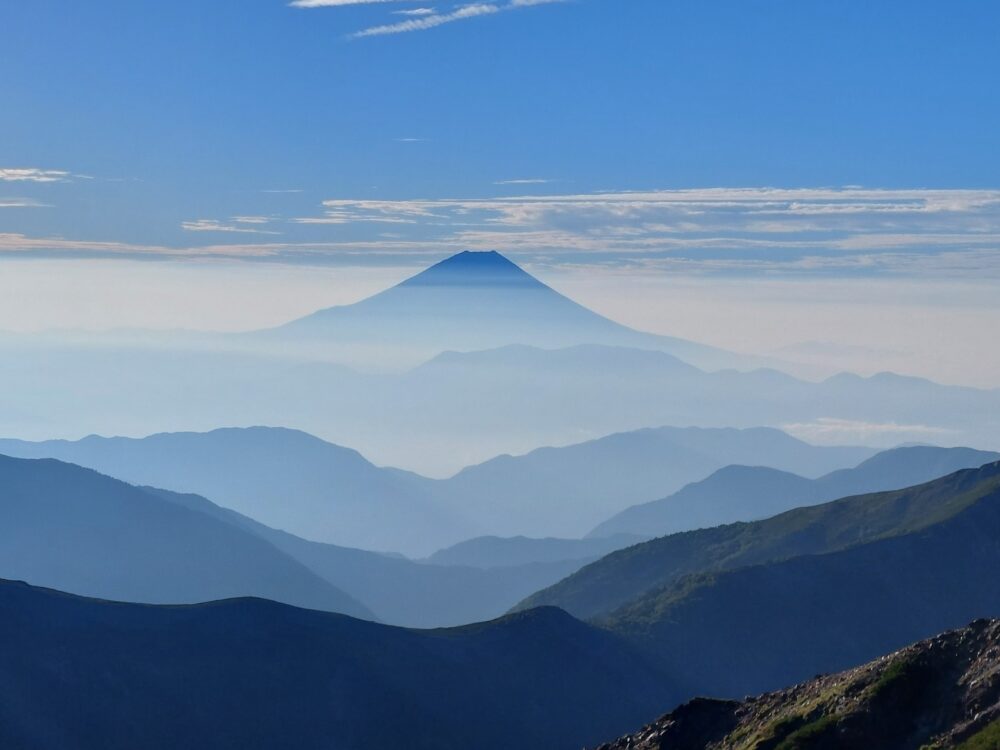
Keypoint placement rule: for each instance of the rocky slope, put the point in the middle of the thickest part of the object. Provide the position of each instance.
(937, 694)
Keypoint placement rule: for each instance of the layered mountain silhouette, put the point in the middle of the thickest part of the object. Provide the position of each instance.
(938, 694)
(479, 300)
(250, 673)
(293, 481)
(69, 527)
(623, 578)
(399, 591)
(74, 529)
(751, 607)
(283, 478)
(747, 493)
(565, 491)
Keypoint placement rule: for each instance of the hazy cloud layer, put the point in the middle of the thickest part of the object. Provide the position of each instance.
(834, 431)
(817, 231)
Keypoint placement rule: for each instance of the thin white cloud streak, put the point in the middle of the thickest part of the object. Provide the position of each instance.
(524, 181)
(422, 19)
(251, 219)
(211, 225)
(22, 203)
(33, 174)
(423, 23)
(415, 12)
(13, 243)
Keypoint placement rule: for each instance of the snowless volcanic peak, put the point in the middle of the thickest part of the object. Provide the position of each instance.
(470, 268)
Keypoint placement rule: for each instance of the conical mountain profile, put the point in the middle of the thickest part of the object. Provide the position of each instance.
(474, 301)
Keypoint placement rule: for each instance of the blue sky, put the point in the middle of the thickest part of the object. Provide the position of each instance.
(180, 114)
(588, 138)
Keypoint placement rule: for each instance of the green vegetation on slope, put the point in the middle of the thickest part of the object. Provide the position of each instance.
(619, 578)
(939, 694)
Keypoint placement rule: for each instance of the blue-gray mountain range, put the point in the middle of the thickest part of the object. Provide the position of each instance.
(295, 482)
(746, 493)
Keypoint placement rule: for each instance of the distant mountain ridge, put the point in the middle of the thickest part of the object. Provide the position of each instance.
(748, 493)
(286, 479)
(565, 491)
(316, 490)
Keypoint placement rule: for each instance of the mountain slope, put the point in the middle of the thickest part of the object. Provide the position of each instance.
(625, 575)
(284, 478)
(742, 493)
(565, 491)
(400, 591)
(734, 632)
(939, 694)
(254, 674)
(62, 525)
(505, 552)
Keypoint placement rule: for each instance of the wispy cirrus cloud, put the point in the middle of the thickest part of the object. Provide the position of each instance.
(737, 231)
(236, 224)
(425, 22)
(422, 18)
(807, 230)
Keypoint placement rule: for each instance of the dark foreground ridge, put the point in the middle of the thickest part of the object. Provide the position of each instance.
(250, 673)
(938, 694)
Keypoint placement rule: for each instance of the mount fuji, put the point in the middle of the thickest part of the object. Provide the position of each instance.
(474, 301)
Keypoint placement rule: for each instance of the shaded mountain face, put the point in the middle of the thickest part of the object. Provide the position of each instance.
(68, 527)
(471, 301)
(747, 493)
(645, 570)
(283, 478)
(939, 694)
(402, 592)
(254, 674)
(735, 632)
